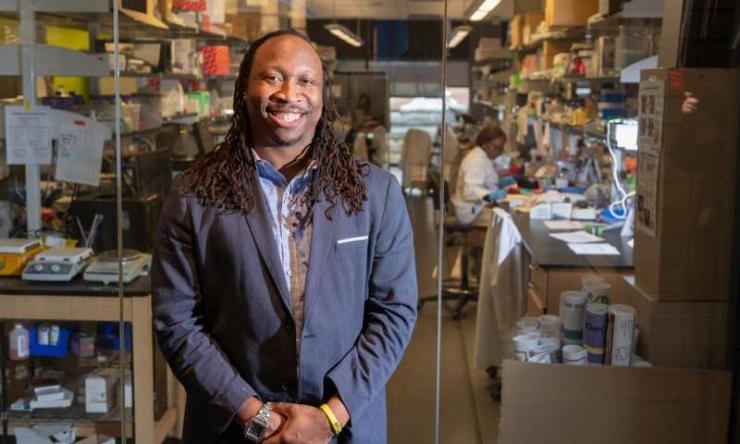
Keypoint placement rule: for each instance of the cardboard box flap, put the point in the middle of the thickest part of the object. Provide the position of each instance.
(556, 404)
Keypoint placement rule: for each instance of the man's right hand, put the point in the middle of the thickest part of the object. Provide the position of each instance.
(304, 424)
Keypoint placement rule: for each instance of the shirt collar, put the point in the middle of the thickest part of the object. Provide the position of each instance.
(265, 170)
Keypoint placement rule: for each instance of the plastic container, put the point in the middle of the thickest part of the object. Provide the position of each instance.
(632, 45)
(572, 310)
(43, 335)
(574, 355)
(18, 349)
(57, 346)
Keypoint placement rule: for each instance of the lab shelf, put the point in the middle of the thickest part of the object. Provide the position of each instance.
(612, 22)
(100, 6)
(182, 119)
(81, 13)
(158, 75)
(52, 60)
(579, 130)
(597, 79)
(230, 77)
(81, 301)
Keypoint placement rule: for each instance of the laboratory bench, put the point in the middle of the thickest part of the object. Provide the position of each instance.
(156, 394)
(552, 267)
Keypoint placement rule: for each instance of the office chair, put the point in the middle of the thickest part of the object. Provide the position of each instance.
(417, 149)
(461, 290)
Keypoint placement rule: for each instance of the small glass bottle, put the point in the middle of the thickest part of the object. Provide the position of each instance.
(18, 343)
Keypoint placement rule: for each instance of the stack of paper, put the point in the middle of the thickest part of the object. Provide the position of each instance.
(563, 225)
(58, 398)
(48, 393)
(594, 249)
(577, 237)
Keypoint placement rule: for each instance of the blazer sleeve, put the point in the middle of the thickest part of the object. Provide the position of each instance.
(390, 312)
(195, 358)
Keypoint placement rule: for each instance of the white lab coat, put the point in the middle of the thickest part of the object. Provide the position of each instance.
(476, 179)
(502, 295)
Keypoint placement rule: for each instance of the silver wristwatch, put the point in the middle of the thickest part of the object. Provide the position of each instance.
(255, 428)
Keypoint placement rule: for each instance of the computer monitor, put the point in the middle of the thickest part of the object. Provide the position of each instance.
(624, 134)
(203, 136)
(152, 172)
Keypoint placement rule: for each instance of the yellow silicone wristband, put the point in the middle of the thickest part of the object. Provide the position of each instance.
(335, 426)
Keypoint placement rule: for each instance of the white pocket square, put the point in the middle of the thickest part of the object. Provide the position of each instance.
(351, 239)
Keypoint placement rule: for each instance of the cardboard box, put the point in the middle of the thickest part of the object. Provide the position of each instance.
(530, 29)
(535, 305)
(569, 13)
(563, 404)
(144, 11)
(549, 283)
(607, 7)
(518, 24)
(679, 334)
(100, 390)
(550, 48)
(106, 86)
(245, 26)
(516, 28)
(685, 183)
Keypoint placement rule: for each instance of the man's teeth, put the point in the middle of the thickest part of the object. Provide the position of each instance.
(287, 117)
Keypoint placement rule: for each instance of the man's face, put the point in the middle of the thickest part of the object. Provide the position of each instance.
(284, 97)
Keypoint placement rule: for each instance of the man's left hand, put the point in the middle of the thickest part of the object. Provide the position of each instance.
(303, 424)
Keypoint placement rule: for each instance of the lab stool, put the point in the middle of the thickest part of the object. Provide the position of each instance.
(459, 290)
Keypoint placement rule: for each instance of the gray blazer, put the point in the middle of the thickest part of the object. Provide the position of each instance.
(223, 318)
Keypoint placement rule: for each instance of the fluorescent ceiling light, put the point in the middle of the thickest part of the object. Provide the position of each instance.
(341, 32)
(458, 35)
(479, 9)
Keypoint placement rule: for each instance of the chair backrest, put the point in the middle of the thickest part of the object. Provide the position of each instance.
(452, 151)
(380, 140)
(417, 147)
(359, 148)
(433, 186)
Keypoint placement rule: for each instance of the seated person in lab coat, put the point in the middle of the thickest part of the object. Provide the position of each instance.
(477, 180)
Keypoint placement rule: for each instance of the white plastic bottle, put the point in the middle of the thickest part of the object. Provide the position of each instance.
(18, 343)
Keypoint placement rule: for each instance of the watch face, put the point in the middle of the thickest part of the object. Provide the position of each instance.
(255, 430)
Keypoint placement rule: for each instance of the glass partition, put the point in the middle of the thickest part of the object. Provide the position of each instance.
(65, 372)
(217, 105)
(389, 98)
(213, 204)
(579, 213)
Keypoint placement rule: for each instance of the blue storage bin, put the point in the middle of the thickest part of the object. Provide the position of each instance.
(612, 97)
(614, 113)
(57, 351)
(108, 337)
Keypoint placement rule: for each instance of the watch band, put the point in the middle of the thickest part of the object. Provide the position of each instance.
(255, 428)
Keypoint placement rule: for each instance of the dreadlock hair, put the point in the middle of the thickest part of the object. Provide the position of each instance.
(225, 178)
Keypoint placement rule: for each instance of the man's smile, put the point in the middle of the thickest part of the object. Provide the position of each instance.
(285, 118)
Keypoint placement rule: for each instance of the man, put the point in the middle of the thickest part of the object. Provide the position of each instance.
(477, 180)
(283, 275)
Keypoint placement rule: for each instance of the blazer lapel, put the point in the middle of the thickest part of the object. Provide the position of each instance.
(260, 224)
(322, 242)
